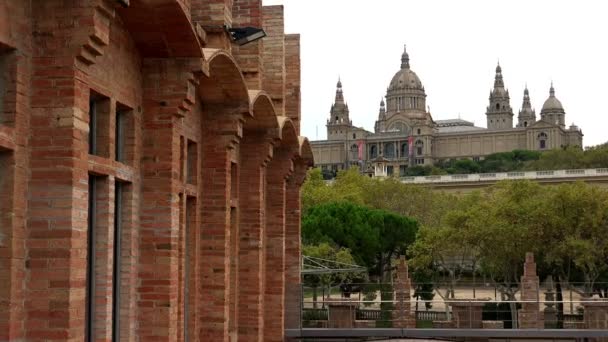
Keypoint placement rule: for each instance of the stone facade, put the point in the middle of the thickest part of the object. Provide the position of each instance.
(149, 186)
(406, 134)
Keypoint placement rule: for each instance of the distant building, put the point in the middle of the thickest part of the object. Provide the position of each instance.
(405, 133)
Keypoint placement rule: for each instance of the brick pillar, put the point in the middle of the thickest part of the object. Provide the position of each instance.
(292, 79)
(255, 153)
(249, 56)
(219, 215)
(56, 257)
(15, 70)
(278, 170)
(273, 80)
(402, 315)
(529, 316)
(596, 316)
(165, 88)
(293, 248)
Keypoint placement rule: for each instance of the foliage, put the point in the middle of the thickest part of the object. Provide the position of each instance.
(373, 236)
(328, 252)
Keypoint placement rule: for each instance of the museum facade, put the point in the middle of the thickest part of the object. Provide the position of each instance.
(405, 133)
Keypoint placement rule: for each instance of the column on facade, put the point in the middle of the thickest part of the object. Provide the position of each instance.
(255, 153)
(219, 222)
(293, 247)
(279, 170)
(225, 104)
(15, 72)
(159, 260)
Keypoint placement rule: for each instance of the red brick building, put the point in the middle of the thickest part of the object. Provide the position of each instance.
(149, 171)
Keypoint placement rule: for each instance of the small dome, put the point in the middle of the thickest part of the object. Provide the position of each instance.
(405, 78)
(552, 103)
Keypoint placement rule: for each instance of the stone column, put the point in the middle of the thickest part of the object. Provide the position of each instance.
(403, 317)
(529, 316)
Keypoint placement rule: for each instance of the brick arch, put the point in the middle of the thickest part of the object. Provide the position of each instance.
(161, 28)
(264, 114)
(288, 134)
(306, 151)
(225, 82)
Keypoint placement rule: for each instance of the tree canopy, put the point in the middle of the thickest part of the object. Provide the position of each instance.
(373, 236)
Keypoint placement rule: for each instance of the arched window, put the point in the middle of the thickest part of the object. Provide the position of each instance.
(525, 123)
(542, 140)
(354, 135)
(389, 150)
(354, 152)
(419, 147)
(373, 151)
(337, 119)
(404, 150)
(498, 106)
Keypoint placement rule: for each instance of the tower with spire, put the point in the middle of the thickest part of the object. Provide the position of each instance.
(339, 122)
(499, 113)
(527, 115)
(379, 126)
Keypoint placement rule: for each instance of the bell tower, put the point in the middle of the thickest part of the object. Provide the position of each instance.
(339, 123)
(499, 113)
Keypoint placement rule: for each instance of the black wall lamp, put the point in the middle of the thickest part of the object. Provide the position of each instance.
(246, 35)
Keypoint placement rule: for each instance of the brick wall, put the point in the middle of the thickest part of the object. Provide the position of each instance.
(151, 234)
(292, 79)
(273, 80)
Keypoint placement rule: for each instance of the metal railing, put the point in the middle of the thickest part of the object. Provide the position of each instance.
(454, 307)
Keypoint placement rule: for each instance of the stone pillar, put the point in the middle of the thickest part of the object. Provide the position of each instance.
(596, 316)
(550, 313)
(529, 316)
(402, 316)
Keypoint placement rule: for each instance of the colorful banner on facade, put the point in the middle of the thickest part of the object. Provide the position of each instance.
(410, 146)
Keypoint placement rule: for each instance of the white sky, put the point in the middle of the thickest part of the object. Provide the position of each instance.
(454, 47)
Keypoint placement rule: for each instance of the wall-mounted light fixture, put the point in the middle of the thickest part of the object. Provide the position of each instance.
(246, 35)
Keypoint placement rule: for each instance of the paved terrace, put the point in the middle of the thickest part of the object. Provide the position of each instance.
(468, 182)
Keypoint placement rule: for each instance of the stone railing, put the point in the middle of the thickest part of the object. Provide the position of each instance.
(490, 177)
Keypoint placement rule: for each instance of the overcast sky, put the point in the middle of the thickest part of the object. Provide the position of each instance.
(454, 47)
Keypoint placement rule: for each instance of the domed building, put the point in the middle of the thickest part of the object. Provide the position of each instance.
(405, 133)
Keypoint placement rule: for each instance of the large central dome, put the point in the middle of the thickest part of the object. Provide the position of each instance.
(405, 96)
(405, 78)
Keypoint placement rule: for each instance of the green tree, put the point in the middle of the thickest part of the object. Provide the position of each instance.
(373, 236)
(325, 251)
